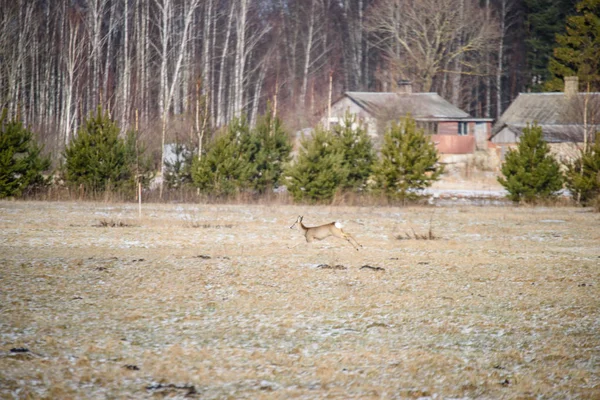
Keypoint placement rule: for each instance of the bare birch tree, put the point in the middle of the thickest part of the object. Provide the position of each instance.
(169, 81)
(72, 64)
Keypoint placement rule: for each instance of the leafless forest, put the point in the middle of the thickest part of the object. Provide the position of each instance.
(181, 68)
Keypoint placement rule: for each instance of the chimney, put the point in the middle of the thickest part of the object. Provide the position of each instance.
(571, 86)
(403, 86)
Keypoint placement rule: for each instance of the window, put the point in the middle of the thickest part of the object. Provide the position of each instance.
(429, 127)
(463, 128)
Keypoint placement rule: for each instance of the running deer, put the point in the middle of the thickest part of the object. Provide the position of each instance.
(323, 231)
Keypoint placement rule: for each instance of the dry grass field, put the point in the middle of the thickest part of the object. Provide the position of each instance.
(211, 302)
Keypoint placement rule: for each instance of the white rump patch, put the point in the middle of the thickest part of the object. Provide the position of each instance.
(338, 225)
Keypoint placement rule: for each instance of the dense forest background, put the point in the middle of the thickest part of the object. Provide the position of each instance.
(180, 69)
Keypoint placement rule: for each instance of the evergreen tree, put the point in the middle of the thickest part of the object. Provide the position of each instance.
(178, 172)
(21, 164)
(357, 152)
(319, 171)
(99, 159)
(267, 148)
(578, 50)
(408, 161)
(544, 19)
(224, 170)
(530, 172)
(583, 175)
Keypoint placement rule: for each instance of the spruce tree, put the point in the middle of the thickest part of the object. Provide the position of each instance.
(531, 172)
(583, 175)
(319, 171)
(21, 163)
(357, 152)
(224, 169)
(408, 162)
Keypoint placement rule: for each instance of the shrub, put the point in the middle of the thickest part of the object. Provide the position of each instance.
(21, 164)
(530, 172)
(408, 163)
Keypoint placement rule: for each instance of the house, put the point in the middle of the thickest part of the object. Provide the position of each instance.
(453, 130)
(559, 114)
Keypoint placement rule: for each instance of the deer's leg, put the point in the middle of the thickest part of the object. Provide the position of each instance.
(348, 238)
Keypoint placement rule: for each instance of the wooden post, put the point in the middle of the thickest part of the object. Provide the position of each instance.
(329, 102)
(140, 200)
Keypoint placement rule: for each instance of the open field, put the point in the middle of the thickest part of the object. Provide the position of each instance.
(210, 302)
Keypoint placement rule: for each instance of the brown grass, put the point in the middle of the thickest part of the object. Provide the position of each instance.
(209, 301)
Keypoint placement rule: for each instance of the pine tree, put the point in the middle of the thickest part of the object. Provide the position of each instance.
(267, 149)
(530, 172)
(21, 163)
(357, 152)
(224, 170)
(408, 162)
(583, 175)
(319, 171)
(578, 50)
(99, 159)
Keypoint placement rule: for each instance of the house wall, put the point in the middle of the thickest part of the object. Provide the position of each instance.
(454, 144)
(505, 136)
(447, 128)
(482, 132)
(339, 109)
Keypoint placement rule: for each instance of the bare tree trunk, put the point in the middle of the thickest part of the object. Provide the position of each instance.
(505, 23)
(106, 89)
(456, 77)
(240, 58)
(142, 58)
(257, 90)
(95, 15)
(212, 56)
(307, 54)
(71, 61)
(168, 88)
(126, 76)
(222, 108)
(488, 74)
(500, 67)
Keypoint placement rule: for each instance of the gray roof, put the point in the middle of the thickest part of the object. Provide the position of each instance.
(419, 105)
(560, 117)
